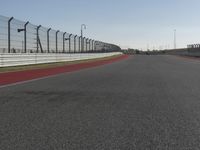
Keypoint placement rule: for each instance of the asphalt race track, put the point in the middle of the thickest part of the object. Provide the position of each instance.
(141, 103)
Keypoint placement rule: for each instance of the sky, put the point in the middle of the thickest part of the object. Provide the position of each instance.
(138, 24)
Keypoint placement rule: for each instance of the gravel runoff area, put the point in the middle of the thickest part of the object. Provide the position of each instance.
(141, 103)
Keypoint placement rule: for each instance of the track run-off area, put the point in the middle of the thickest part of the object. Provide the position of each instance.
(142, 102)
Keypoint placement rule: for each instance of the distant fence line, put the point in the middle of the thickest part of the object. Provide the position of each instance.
(194, 52)
(23, 37)
(193, 46)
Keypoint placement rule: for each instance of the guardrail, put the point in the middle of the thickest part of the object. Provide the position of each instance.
(9, 59)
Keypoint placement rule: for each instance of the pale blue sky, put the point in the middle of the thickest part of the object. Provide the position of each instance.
(128, 23)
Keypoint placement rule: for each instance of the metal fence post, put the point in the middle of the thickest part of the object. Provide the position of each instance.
(89, 45)
(70, 43)
(93, 45)
(83, 44)
(9, 21)
(57, 41)
(75, 43)
(101, 49)
(64, 42)
(86, 45)
(48, 39)
(38, 27)
(24, 30)
(79, 44)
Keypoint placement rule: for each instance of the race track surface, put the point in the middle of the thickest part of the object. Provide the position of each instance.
(141, 103)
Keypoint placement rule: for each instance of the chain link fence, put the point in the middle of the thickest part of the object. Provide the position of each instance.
(23, 37)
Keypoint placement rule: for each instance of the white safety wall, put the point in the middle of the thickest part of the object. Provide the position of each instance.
(185, 52)
(18, 59)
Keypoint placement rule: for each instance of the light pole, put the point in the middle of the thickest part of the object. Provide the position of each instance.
(83, 26)
(174, 38)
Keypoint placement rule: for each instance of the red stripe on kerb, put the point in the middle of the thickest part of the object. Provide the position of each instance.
(19, 76)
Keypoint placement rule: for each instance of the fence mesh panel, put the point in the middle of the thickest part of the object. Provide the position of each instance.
(23, 37)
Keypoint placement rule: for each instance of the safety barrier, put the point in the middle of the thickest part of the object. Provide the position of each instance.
(10, 59)
(194, 52)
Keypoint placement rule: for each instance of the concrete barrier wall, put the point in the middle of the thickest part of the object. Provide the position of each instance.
(39, 58)
(195, 52)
